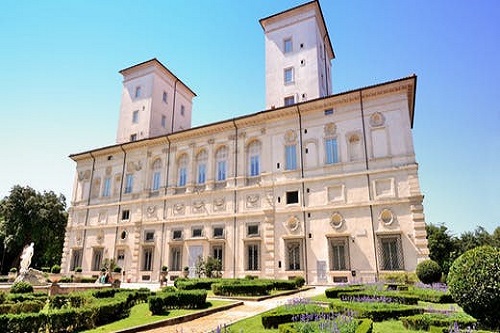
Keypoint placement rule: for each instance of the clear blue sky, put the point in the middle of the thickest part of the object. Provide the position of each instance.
(60, 87)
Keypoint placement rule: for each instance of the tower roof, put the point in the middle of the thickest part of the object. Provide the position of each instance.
(155, 63)
(312, 5)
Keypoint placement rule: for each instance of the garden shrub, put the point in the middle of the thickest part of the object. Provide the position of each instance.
(474, 284)
(399, 277)
(429, 271)
(363, 326)
(70, 300)
(424, 321)
(335, 291)
(242, 288)
(300, 281)
(376, 311)
(193, 284)
(23, 307)
(182, 299)
(286, 313)
(21, 287)
(18, 298)
(105, 293)
(430, 295)
(2, 297)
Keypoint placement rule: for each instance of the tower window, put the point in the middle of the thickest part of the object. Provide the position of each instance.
(290, 100)
(288, 75)
(133, 137)
(135, 116)
(137, 92)
(292, 197)
(163, 121)
(164, 98)
(183, 110)
(328, 112)
(287, 45)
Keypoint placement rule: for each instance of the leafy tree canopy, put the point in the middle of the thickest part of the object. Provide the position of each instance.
(26, 216)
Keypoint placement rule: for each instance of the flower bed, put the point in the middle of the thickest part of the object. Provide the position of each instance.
(424, 321)
(375, 311)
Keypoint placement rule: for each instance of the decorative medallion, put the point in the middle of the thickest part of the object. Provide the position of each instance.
(377, 119)
(330, 129)
(290, 136)
(336, 220)
(253, 201)
(179, 209)
(293, 223)
(386, 216)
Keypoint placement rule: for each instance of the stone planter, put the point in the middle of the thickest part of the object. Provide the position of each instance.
(12, 276)
(116, 276)
(54, 277)
(77, 277)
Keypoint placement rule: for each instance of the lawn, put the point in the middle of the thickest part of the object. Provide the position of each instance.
(140, 315)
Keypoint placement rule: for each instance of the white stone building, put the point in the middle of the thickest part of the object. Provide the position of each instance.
(318, 185)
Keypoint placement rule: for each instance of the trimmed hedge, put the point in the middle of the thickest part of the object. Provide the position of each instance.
(21, 287)
(384, 296)
(281, 315)
(242, 288)
(182, 299)
(364, 326)
(424, 321)
(23, 307)
(429, 271)
(105, 293)
(195, 284)
(335, 291)
(376, 311)
(430, 295)
(70, 300)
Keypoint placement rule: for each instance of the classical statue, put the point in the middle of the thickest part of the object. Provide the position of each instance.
(26, 258)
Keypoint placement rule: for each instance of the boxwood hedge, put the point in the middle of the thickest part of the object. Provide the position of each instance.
(424, 321)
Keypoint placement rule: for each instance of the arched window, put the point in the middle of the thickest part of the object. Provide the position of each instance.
(182, 164)
(201, 166)
(156, 180)
(253, 151)
(221, 164)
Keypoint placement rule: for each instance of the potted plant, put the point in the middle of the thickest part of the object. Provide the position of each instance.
(78, 274)
(185, 271)
(117, 273)
(12, 274)
(55, 273)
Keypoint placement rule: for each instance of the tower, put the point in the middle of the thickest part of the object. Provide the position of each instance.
(154, 102)
(298, 56)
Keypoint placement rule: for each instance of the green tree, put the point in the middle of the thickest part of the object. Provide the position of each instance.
(29, 216)
(442, 246)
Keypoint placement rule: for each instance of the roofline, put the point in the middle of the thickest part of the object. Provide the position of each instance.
(155, 60)
(411, 107)
(297, 7)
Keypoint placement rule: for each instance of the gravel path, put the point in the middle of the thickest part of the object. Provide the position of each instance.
(248, 309)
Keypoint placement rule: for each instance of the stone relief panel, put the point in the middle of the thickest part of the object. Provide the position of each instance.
(384, 188)
(336, 193)
(292, 223)
(377, 119)
(134, 166)
(84, 175)
(330, 129)
(102, 217)
(152, 212)
(179, 209)
(198, 207)
(253, 201)
(100, 236)
(219, 204)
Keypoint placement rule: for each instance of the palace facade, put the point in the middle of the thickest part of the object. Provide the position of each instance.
(321, 185)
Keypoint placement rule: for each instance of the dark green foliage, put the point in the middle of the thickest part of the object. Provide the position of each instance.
(22, 307)
(2, 297)
(193, 284)
(30, 216)
(474, 284)
(376, 311)
(335, 291)
(364, 326)
(299, 281)
(55, 269)
(21, 287)
(18, 298)
(185, 299)
(169, 289)
(71, 300)
(385, 296)
(285, 314)
(242, 288)
(429, 271)
(105, 293)
(424, 321)
(430, 295)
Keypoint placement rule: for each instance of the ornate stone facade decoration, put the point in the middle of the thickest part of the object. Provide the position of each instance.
(151, 212)
(253, 201)
(386, 216)
(377, 119)
(293, 223)
(198, 206)
(290, 136)
(336, 220)
(134, 166)
(179, 209)
(79, 237)
(84, 175)
(330, 129)
(100, 236)
(219, 204)
(108, 171)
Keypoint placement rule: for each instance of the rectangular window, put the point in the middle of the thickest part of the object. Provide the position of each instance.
(147, 259)
(293, 252)
(202, 173)
(76, 259)
(183, 110)
(164, 121)
(175, 258)
(252, 230)
(218, 232)
(253, 257)
(218, 253)
(149, 236)
(290, 100)
(106, 190)
(182, 177)
(331, 151)
(177, 234)
(254, 166)
(135, 117)
(328, 112)
(129, 183)
(291, 157)
(292, 197)
(221, 171)
(196, 232)
(156, 181)
(133, 137)
(125, 214)
(97, 258)
(137, 92)
(287, 45)
(339, 254)
(164, 97)
(288, 75)
(391, 253)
